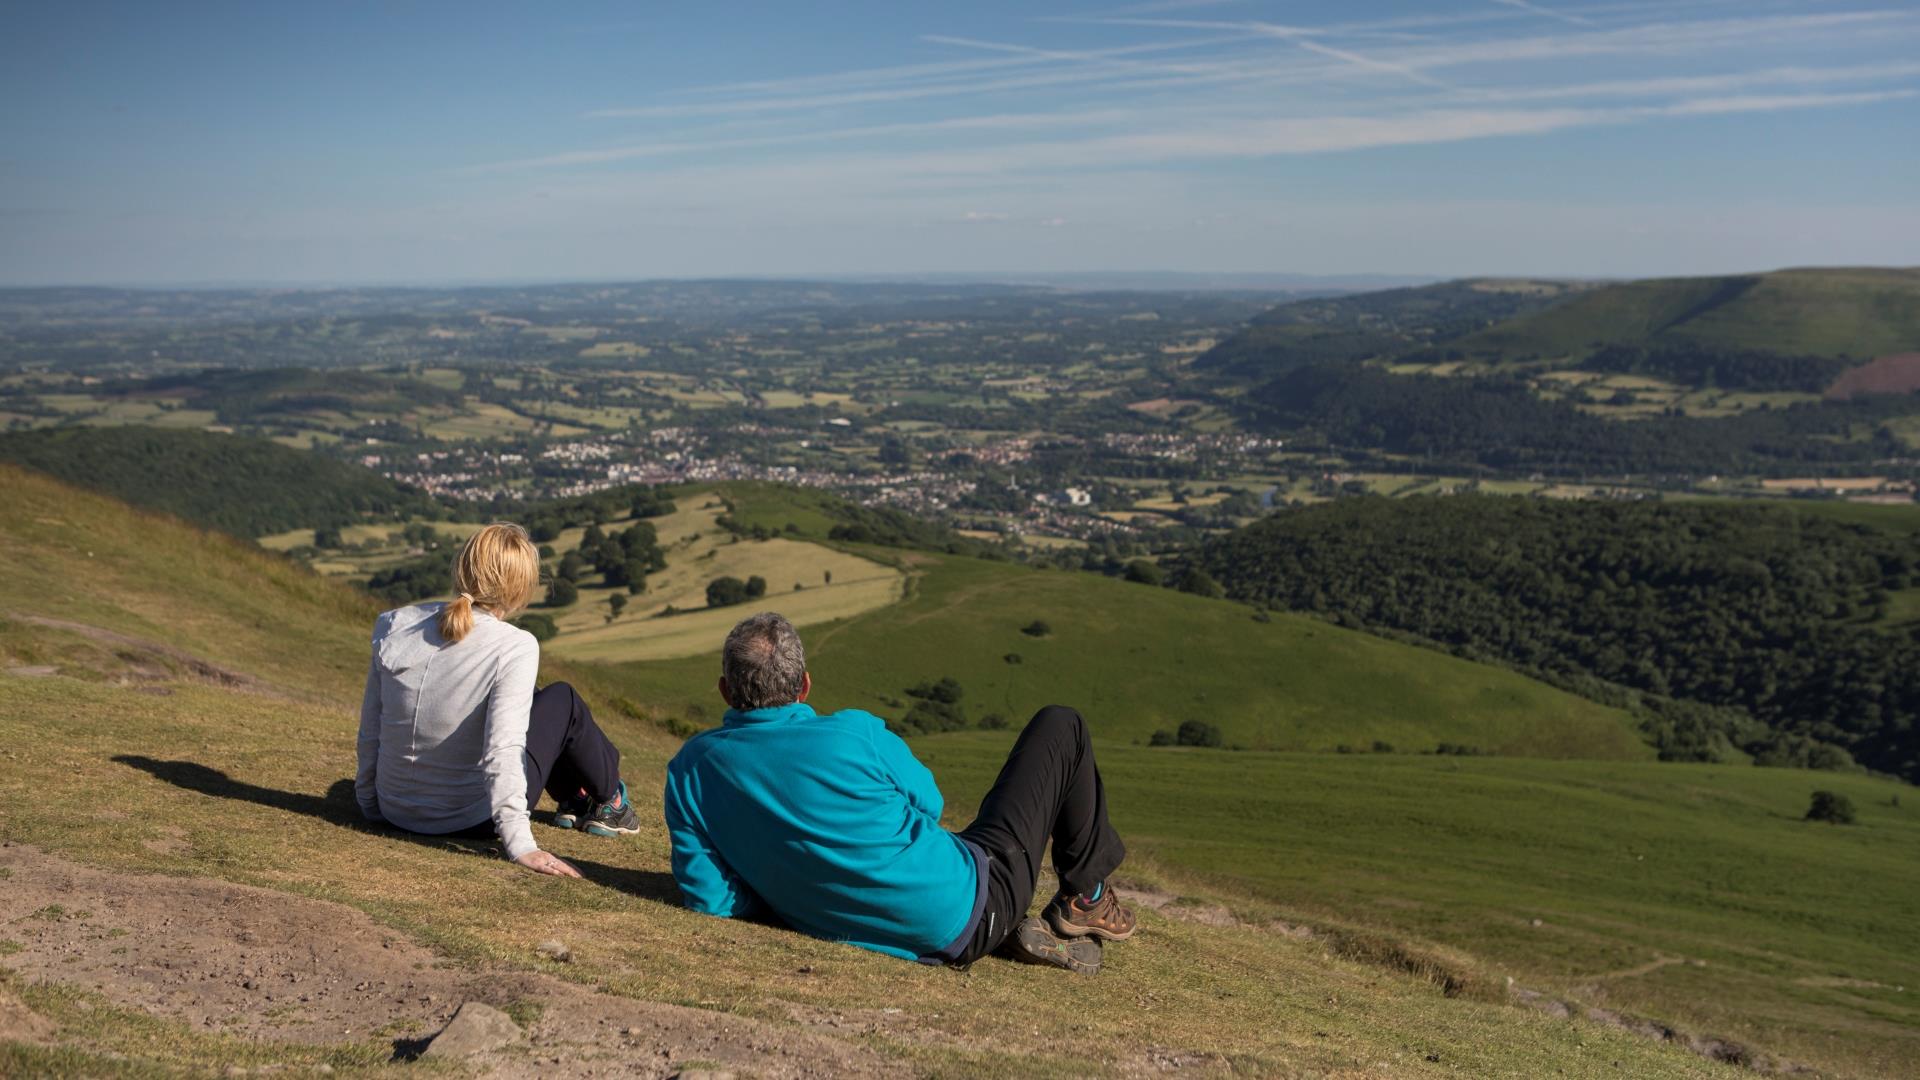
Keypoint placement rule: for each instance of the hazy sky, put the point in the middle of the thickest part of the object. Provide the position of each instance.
(412, 141)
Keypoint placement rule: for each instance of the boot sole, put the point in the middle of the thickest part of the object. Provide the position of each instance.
(565, 821)
(1034, 943)
(1070, 930)
(597, 829)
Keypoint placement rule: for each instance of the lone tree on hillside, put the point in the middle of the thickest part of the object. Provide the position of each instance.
(616, 603)
(1144, 572)
(540, 626)
(756, 587)
(1199, 733)
(1831, 807)
(1198, 582)
(561, 592)
(1037, 628)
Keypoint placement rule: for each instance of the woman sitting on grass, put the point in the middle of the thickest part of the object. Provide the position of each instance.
(455, 741)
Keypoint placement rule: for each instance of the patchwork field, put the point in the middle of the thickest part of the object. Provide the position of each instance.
(486, 420)
(807, 582)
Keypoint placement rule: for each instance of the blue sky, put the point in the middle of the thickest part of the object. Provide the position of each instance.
(414, 141)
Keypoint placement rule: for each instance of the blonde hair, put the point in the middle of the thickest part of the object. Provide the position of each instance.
(497, 569)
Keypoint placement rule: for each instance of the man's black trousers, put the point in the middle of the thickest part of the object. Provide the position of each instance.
(1048, 792)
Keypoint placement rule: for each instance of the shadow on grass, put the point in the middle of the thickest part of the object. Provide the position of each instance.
(338, 807)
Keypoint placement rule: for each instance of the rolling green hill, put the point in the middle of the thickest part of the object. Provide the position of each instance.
(1388, 323)
(1139, 659)
(199, 694)
(241, 485)
(1858, 313)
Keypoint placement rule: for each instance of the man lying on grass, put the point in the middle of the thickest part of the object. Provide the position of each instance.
(829, 823)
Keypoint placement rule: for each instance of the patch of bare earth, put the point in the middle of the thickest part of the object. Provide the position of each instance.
(142, 660)
(1896, 374)
(268, 965)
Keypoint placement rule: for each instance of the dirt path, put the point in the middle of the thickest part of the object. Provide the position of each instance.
(157, 656)
(263, 964)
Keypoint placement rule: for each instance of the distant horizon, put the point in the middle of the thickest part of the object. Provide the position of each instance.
(1243, 280)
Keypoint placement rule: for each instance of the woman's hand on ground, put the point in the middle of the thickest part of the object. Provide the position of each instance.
(546, 862)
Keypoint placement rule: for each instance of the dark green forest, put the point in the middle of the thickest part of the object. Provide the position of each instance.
(1503, 424)
(1770, 615)
(245, 486)
(1727, 369)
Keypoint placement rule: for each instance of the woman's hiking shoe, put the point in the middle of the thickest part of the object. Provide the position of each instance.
(1032, 943)
(610, 820)
(1073, 917)
(573, 813)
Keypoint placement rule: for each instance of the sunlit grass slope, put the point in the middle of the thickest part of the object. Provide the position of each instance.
(1138, 659)
(1695, 894)
(241, 778)
(1855, 312)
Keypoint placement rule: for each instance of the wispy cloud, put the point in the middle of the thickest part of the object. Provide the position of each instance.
(1198, 89)
(1550, 13)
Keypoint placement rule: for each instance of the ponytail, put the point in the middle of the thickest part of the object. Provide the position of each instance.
(496, 571)
(456, 619)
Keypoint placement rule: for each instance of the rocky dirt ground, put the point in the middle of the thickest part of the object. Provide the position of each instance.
(264, 964)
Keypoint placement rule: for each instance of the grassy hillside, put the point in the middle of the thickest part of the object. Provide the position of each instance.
(1390, 322)
(1139, 659)
(1692, 893)
(1859, 313)
(197, 698)
(242, 485)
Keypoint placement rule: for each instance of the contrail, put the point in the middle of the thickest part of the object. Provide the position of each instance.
(1525, 5)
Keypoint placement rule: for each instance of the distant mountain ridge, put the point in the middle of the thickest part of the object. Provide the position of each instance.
(1854, 313)
(1388, 323)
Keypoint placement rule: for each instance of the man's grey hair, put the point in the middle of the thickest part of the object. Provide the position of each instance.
(763, 662)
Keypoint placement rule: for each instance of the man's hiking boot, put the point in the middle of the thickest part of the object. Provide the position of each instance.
(1032, 943)
(573, 813)
(1072, 917)
(610, 820)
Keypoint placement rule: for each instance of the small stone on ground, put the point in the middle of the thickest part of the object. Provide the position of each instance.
(474, 1029)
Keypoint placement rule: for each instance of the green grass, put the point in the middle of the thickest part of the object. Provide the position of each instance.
(699, 551)
(1802, 931)
(774, 506)
(1861, 313)
(256, 798)
(1903, 520)
(1137, 659)
(1903, 607)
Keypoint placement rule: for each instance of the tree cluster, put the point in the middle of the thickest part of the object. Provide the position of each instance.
(1726, 369)
(626, 558)
(1763, 622)
(1501, 423)
(234, 483)
(728, 591)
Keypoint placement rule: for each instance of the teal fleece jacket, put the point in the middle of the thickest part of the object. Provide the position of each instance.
(828, 820)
